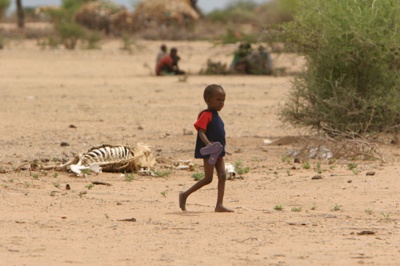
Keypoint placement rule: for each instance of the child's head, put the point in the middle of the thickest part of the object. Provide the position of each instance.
(214, 96)
(174, 51)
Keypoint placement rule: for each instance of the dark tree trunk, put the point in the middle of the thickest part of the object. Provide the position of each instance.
(20, 13)
(195, 7)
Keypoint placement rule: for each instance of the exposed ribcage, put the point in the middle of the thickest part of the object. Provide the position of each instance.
(107, 154)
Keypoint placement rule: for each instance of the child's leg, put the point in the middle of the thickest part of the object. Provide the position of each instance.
(208, 177)
(220, 166)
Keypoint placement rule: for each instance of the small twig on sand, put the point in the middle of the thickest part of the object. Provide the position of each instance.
(101, 183)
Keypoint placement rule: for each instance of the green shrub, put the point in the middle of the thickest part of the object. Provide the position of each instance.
(197, 176)
(233, 36)
(4, 4)
(74, 5)
(351, 80)
(214, 68)
(70, 33)
(236, 12)
(93, 40)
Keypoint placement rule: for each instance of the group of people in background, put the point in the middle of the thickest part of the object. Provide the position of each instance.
(245, 61)
(251, 61)
(167, 63)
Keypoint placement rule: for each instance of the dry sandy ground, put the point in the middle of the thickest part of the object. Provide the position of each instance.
(345, 218)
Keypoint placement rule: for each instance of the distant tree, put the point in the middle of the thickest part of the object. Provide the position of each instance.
(20, 14)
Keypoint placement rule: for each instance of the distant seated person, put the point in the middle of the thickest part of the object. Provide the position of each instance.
(169, 64)
(238, 64)
(161, 54)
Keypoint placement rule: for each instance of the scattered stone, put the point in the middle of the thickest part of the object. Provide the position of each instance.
(67, 187)
(187, 132)
(64, 144)
(297, 160)
(267, 141)
(370, 173)
(296, 223)
(349, 181)
(72, 126)
(320, 153)
(316, 177)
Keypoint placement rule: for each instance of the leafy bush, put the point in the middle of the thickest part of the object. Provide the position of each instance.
(351, 82)
(214, 68)
(236, 12)
(70, 33)
(233, 36)
(277, 11)
(74, 5)
(93, 40)
(4, 4)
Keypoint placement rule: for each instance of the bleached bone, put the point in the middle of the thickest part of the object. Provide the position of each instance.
(230, 171)
(184, 165)
(78, 168)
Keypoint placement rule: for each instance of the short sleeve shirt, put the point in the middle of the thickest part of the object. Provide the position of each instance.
(211, 122)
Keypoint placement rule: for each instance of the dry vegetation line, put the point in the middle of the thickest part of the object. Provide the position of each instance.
(330, 148)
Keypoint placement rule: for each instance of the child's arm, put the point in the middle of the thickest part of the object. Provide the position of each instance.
(203, 137)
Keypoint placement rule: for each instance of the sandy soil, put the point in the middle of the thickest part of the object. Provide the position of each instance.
(109, 96)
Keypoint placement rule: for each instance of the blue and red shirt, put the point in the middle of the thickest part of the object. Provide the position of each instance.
(211, 122)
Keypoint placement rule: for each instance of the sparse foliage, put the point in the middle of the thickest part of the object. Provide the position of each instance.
(197, 176)
(70, 33)
(297, 209)
(214, 68)
(89, 186)
(351, 80)
(337, 207)
(240, 169)
(161, 173)
(129, 177)
(306, 165)
(4, 4)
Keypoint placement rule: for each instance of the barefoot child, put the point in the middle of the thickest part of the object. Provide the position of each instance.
(210, 146)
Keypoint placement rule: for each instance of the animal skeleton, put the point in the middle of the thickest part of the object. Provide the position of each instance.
(112, 158)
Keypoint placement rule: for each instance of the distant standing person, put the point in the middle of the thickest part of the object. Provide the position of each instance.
(210, 146)
(169, 64)
(161, 54)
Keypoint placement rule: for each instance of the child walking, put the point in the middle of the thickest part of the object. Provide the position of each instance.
(210, 146)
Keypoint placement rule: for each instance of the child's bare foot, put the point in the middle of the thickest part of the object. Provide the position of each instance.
(221, 208)
(182, 201)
